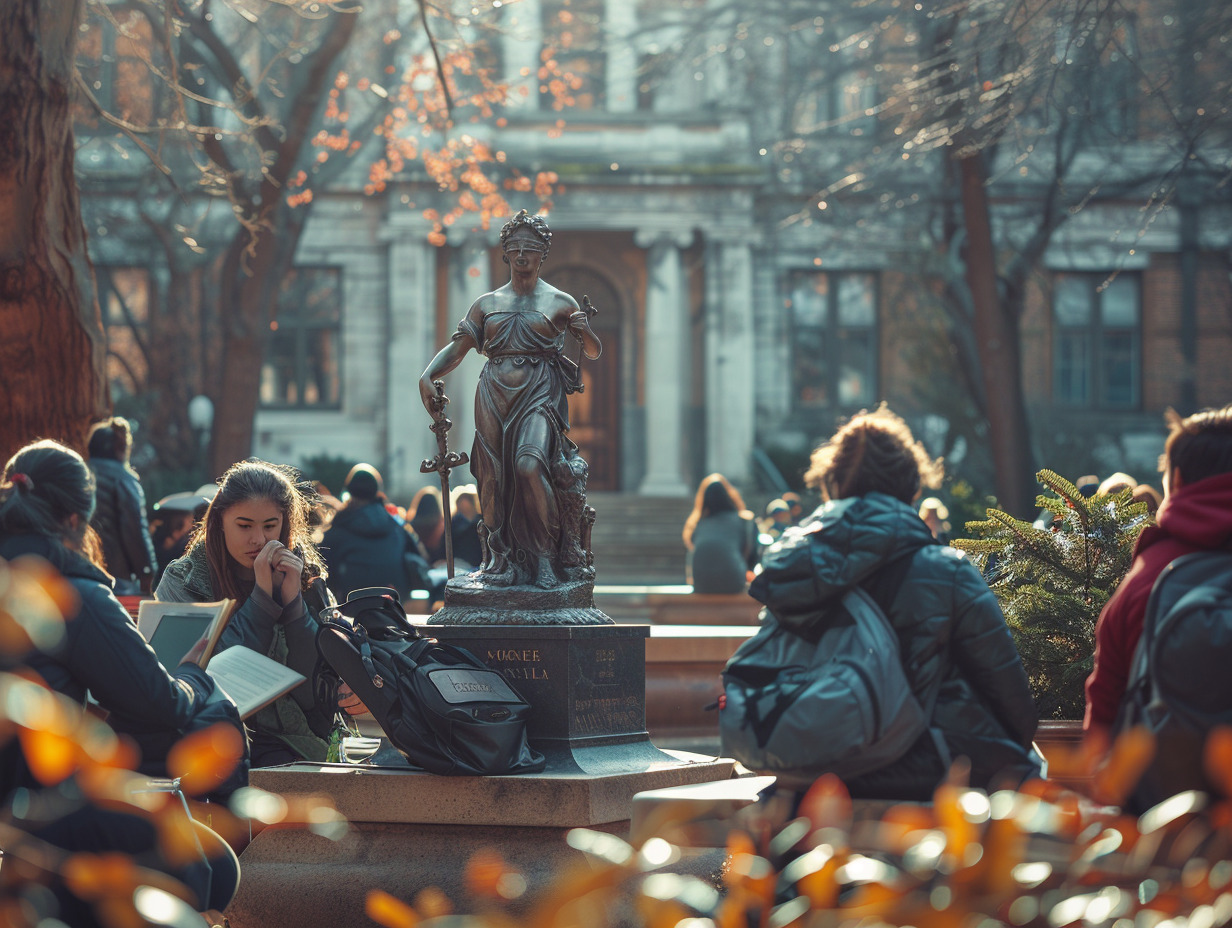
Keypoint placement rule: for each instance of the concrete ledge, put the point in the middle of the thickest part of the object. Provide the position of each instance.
(675, 605)
(552, 800)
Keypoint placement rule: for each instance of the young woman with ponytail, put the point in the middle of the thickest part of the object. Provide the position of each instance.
(46, 500)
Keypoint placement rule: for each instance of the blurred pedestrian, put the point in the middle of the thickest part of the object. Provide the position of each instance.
(934, 513)
(777, 518)
(467, 551)
(1116, 483)
(119, 516)
(795, 506)
(721, 537)
(366, 546)
(428, 522)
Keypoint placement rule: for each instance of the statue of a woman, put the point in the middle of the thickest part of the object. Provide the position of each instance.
(522, 458)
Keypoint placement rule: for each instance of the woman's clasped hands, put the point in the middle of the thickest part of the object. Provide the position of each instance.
(277, 566)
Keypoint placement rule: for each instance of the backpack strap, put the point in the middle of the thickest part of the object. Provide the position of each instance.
(883, 584)
(882, 587)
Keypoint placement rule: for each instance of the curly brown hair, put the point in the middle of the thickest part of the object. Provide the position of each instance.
(874, 452)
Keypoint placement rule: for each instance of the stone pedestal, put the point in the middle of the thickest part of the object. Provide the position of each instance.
(471, 601)
(413, 830)
(587, 685)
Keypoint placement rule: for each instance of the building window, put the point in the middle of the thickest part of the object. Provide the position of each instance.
(839, 101)
(573, 62)
(834, 339)
(113, 59)
(303, 357)
(124, 302)
(1097, 340)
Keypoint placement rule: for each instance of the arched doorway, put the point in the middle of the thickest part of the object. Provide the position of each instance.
(594, 414)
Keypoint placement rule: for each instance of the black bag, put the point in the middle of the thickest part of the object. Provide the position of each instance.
(1179, 687)
(438, 704)
(826, 694)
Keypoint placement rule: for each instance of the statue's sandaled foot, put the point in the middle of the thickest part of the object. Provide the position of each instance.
(498, 572)
(545, 575)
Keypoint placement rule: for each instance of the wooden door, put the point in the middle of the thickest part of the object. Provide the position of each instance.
(594, 414)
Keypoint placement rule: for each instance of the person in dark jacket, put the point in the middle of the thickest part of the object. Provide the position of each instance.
(253, 547)
(467, 549)
(956, 648)
(46, 500)
(119, 514)
(367, 546)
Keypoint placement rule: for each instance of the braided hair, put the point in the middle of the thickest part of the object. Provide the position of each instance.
(874, 452)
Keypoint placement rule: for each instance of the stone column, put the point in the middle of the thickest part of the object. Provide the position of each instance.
(666, 375)
(620, 19)
(411, 344)
(730, 406)
(522, 43)
(469, 278)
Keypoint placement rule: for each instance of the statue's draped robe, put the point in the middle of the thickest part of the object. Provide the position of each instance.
(521, 412)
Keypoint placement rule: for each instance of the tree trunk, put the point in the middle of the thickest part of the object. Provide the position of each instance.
(996, 334)
(247, 308)
(52, 353)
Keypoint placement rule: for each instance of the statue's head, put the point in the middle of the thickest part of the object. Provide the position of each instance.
(527, 232)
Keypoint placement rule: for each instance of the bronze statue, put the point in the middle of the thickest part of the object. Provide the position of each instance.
(530, 477)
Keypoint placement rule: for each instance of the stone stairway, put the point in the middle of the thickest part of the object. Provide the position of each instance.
(636, 539)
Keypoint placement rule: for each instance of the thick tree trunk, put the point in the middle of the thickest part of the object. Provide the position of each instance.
(996, 334)
(248, 297)
(252, 269)
(52, 354)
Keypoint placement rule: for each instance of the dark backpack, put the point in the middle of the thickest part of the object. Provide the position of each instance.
(439, 705)
(1179, 687)
(832, 698)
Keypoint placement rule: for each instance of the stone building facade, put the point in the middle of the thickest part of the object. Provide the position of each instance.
(731, 337)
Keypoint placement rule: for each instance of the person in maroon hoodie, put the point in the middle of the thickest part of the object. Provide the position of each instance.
(1196, 515)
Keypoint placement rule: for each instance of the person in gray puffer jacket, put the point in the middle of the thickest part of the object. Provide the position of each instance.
(956, 648)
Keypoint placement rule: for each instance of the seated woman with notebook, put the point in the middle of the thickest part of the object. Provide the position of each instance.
(46, 499)
(254, 547)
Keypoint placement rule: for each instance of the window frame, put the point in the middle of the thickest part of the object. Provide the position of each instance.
(285, 323)
(832, 330)
(120, 317)
(1096, 333)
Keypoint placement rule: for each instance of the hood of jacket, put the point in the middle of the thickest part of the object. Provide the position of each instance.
(1199, 515)
(370, 521)
(70, 564)
(836, 548)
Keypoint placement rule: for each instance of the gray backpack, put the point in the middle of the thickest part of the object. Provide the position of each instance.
(836, 702)
(1179, 686)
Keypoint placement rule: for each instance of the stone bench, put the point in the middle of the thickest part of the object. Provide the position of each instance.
(675, 605)
(682, 678)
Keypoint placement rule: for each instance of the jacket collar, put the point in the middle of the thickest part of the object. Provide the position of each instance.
(192, 572)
